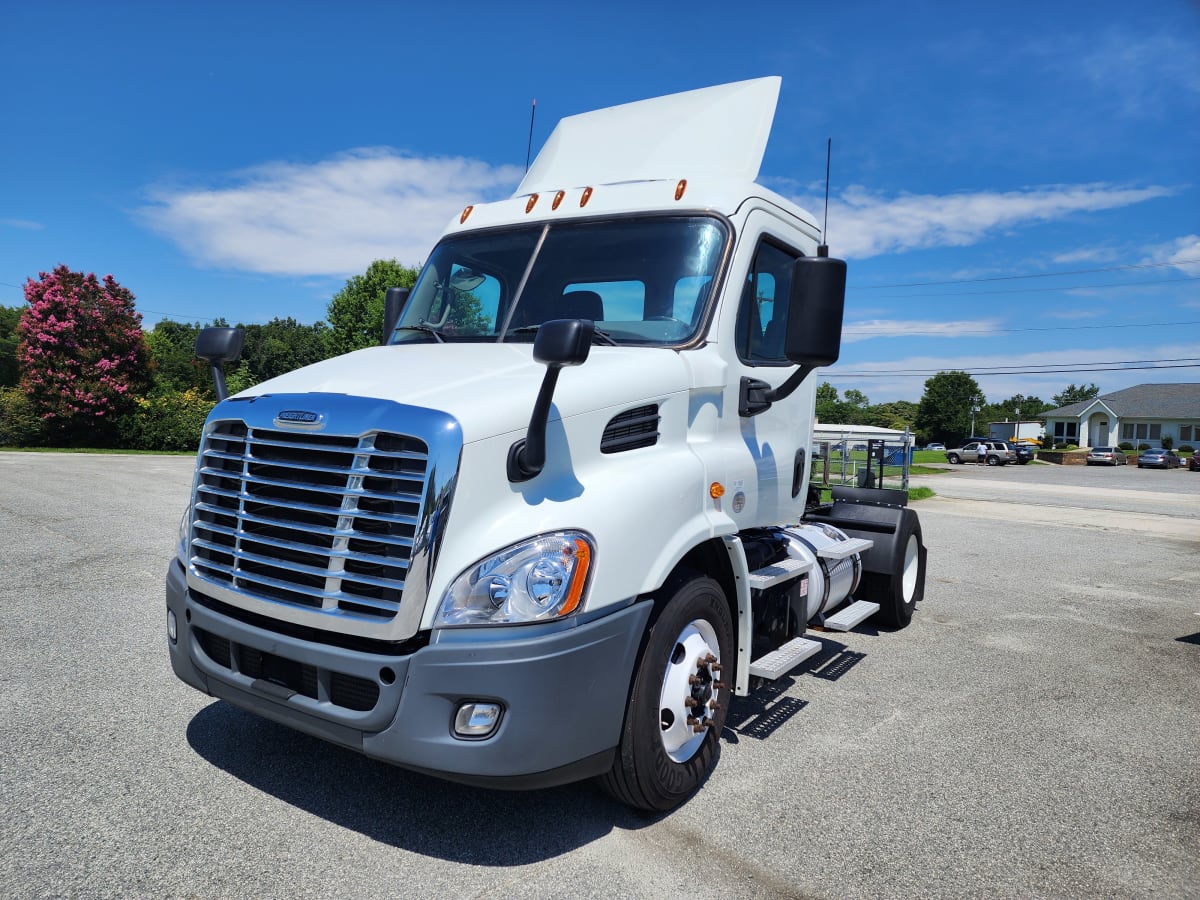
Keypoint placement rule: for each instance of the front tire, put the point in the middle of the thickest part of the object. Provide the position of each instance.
(953, 459)
(679, 700)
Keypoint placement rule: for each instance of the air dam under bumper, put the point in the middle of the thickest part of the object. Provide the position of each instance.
(563, 693)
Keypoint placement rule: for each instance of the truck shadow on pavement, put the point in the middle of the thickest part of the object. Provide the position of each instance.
(400, 808)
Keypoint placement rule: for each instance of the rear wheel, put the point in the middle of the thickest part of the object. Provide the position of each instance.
(993, 460)
(897, 592)
(680, 696)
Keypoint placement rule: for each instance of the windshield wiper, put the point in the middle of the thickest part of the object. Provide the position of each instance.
(598, 336)
(424, 329)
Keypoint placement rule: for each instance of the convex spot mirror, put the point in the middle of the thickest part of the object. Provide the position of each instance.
(814, 325)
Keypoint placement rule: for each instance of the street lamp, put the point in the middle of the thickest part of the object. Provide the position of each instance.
(1017, 431)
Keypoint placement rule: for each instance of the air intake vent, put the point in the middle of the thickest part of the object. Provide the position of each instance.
(631, 429)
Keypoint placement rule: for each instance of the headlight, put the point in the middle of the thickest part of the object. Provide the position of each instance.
(539, 579)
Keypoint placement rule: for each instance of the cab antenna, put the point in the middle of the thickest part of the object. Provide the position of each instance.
(823, 249)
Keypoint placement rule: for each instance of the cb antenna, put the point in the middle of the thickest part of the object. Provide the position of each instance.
(823, 249)
(529, 146)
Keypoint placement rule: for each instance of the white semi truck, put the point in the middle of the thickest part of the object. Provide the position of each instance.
(561, 516)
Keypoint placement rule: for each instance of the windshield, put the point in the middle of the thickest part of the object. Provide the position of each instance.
(642, 281)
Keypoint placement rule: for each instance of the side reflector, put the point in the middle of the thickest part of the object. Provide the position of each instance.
(558, 198)
(680, 188)
(531, 202)
(587, 195)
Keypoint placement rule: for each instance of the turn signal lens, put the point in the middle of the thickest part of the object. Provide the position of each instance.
(587, 195)
(716, 490)
(531, 202)
(558, 198)
(466, 212)
(680, 188)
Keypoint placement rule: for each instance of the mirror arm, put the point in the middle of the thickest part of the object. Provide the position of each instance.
(527, 457)
(757, 396)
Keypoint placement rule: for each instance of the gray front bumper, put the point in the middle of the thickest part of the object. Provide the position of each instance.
(563, 693)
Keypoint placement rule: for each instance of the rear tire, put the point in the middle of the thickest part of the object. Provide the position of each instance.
(898, 592)
(993, 460)
(662, 759)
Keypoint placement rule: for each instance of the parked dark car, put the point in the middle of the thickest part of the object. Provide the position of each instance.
(1194, 462)
(998, 453)
(1158, 458)
(1107, 456)
(1024, 452)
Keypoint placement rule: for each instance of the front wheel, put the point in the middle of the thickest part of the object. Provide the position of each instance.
(953, 459)
(680, 696)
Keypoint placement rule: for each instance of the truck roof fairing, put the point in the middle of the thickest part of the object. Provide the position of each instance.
(717, 131)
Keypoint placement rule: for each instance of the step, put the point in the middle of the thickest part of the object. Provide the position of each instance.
(851, 615)
(779, 662)
(777, 573)
(842, 549)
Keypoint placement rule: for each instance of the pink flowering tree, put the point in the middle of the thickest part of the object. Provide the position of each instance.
(81, 353)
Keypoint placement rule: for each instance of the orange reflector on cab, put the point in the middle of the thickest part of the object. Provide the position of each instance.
(466, 212)
(531, 202)
(587, 195)
(558, 198)
(680, 188)
(716, 490)
(583, 557)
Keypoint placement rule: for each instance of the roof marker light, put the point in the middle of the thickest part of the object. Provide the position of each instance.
(680, 188)
(587, 195)
(558, 198)
(466, 212)
(531, 202)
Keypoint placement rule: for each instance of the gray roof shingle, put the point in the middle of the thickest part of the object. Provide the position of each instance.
(1143, 401)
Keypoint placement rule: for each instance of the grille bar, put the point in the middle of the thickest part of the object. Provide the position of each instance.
(326, 522)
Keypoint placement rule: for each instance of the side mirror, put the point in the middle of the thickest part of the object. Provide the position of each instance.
(218, 346)
(815, 307)
(814, 328)
(393, 306)
(558, 343)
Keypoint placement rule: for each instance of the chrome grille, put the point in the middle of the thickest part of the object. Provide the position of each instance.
(315, 520)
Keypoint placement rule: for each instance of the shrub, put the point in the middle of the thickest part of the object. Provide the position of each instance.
(1167, 442)
(1186, 448)
(170, 421)
(20, 425)
(1126, 446)
(1142, 447)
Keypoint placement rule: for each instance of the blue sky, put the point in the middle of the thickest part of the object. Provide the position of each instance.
(1013, 185)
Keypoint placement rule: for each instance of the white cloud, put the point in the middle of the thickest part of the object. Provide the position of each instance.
(24, 224)
(328, 218)
(867, 329)
(867, 224)
(1183, 253)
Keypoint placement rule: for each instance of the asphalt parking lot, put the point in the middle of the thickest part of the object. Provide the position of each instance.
(1034, 732)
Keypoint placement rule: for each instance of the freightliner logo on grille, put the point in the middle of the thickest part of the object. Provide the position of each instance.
(299, 418)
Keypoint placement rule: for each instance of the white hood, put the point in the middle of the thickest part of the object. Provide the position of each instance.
(489, 388)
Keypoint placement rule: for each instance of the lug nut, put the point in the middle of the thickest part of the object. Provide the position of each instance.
(713, 704)
(716, 667)
(692, 721)
(689, 702)
(695, 679)
(719, 685)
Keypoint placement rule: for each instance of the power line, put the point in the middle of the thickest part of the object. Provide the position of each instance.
(1035, 290)
(1124, 268)
(1058, 369)
(886, 331)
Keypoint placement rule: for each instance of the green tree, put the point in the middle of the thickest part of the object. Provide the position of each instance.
(282, 345)
(1072, 394)
(173, 362)
(10, 317)
(828, 406)
(356, 311)
(898, 415)
(944, 413)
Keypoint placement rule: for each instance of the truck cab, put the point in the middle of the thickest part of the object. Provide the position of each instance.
(560, 517)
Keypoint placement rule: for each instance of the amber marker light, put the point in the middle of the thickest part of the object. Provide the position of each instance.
(587, 195)
(583, 558)
(716, 490)
(466, 212)
(531, 202)
(680, 188)
(558, 198)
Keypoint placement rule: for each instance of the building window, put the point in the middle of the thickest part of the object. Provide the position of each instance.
(1066, 431)
(1143, 431)
(1189, 432)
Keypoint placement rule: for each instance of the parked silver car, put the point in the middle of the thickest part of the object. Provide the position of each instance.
(997, 453)
(1107, 456)
(1158, 458)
